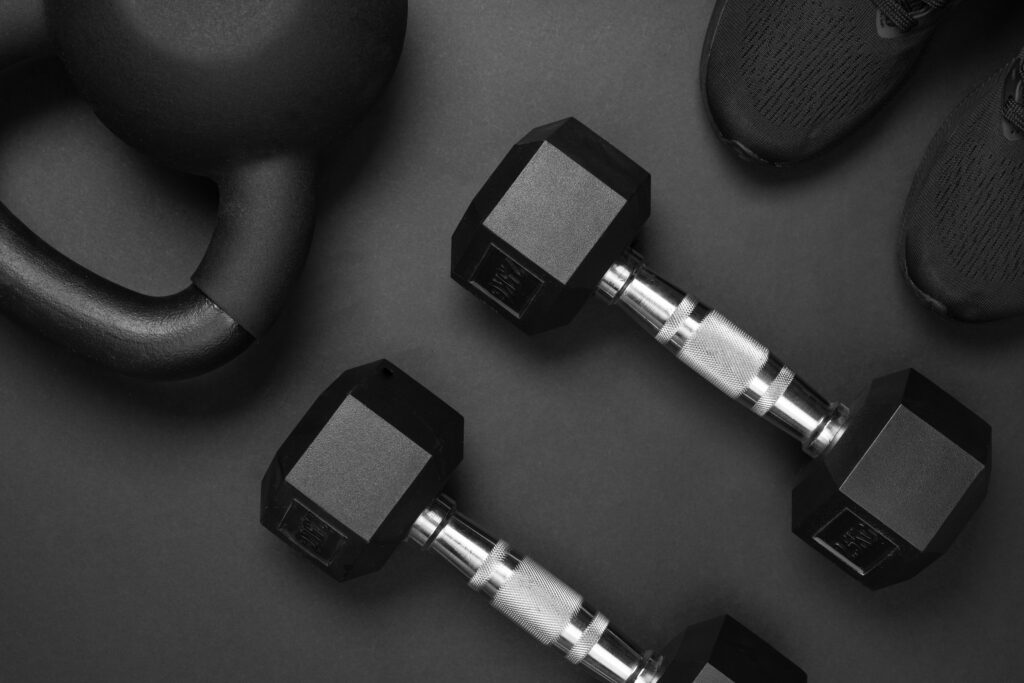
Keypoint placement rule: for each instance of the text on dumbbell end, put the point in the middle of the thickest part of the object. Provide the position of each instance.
(505, 281)
(309, 532)
(855, 542)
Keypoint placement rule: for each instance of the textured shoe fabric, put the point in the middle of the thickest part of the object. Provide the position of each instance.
(963, 225)
(785, 79)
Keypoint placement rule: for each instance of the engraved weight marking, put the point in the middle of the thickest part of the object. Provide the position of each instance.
(854, 542)
(310, 533)
(505, 281)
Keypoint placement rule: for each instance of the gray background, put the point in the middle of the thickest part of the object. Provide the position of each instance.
(131, 548)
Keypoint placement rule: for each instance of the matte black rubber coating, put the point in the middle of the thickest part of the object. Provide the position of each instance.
(160, 337)
(266, 218)
(216, 89)
(352, 478)
(201, 86)
(22, 31)
(259, 247)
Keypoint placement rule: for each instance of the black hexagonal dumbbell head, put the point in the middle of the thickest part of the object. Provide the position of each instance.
(722, 650)
(364, 471)
(900, 484)
(536, 240)
(553, 225)
(374, 450)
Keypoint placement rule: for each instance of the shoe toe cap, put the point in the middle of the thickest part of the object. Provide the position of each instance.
(754, 137)
(963, 224)
(786, 80)
(935, 281)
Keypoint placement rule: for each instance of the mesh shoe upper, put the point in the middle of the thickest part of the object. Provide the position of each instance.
(784, 79)
(964, 219)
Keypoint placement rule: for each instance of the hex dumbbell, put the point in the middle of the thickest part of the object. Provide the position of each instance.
(364, 470)
(893, 482)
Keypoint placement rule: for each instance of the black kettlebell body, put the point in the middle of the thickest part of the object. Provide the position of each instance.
(245, 92)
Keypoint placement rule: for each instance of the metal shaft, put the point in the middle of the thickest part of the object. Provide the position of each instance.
(531, 597)
(723, 354)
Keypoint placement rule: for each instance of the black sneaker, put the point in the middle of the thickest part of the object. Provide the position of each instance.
(785, 79)
(963, 226)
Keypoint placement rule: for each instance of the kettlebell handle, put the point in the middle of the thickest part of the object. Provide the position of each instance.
(265, 222)
(258, 248)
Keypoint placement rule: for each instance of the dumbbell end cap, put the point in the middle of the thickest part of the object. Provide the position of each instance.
(900, 485)
(560, 208)
(373, 451)
(722, 649)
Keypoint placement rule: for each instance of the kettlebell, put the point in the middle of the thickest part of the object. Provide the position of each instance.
(244, 92)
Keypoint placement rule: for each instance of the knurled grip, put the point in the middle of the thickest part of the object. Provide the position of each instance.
(723, 354)
(590, 637)
(540, 603)
(775, 391)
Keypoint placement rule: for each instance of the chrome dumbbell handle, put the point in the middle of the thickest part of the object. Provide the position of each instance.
(532, 597)
(723, 354)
